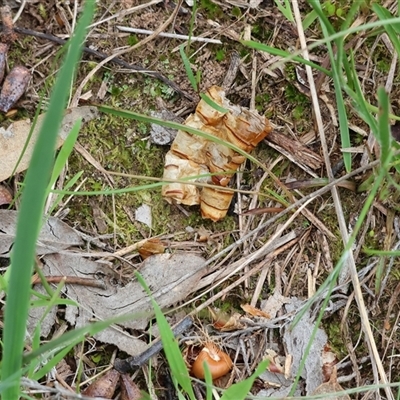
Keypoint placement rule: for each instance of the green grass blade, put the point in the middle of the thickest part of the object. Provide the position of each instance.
(51, 363)
(30, 215)
(393, 30)
(384, 136)
(241, 389)
(309, 19)
(284, 54)
(37, 113)
(171, 347)
(64, 153)
(68, 185)
(359, 102)
(337, 75)
(213, 104)
(191, 25)
(188, 68)
(285, 9)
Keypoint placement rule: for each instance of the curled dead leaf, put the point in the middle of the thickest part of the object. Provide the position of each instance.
(192, 155)
(104, 386)
(151, 247)
(255, 312)
(14, 87)
(329, 360)
(129, 390)
(225, 322)
(331, 387)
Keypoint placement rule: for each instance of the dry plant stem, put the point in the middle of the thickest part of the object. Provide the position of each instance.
(199, 184)
(392, 302)
(88, 157)
(132, 363)
(124, 13)
(260, 283)
(254, 256)
(220, 273)
(72, 280)
(289, 209)
(161, 28)
(254, 270)
(339, 212)
(297, 150)
(296, 264)
(46, 390)
(169, 35)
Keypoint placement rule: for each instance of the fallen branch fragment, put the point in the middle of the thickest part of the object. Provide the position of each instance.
(133, 363)
(71, 280)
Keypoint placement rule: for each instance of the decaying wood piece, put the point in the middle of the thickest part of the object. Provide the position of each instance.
(192, 155)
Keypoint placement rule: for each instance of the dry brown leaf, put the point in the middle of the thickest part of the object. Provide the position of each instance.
(13, 139)
(103, 387)
(225, 322)
(275, 361)
(331, 387)
(5, 195)
(129, 390)
(151, 247)
(171, 278)
(329, 360)
(193, 155)
(255, 312)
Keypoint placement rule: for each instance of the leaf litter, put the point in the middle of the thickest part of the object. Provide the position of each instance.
(171, 278)
(279, 318)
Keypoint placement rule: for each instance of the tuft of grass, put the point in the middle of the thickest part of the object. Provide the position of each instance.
(30, 215)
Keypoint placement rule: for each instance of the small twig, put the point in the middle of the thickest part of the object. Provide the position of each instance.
(169, 35)
(133, 363)
(71, 280)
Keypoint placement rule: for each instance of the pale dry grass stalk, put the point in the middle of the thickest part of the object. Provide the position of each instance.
(239, 266)
(350, 264)
(124, 13)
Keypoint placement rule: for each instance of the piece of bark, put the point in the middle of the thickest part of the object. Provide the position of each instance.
(192, 155)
